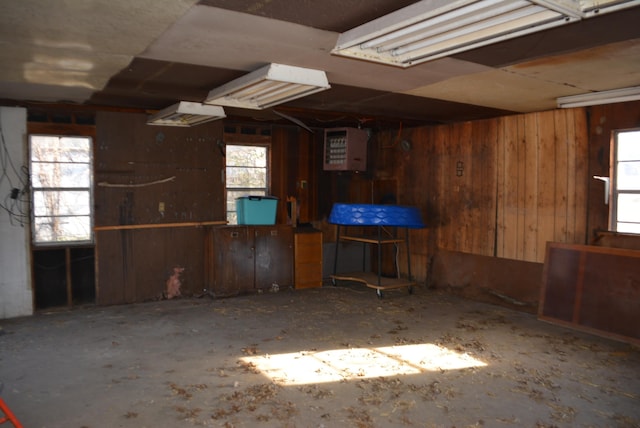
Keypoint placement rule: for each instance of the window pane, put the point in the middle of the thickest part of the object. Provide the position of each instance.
(628, 175)
(62, 229)
(629, 146)
(629, 207)
(629, 227)
(55, 203)
(246, 177)
(60, 174)
(246, 156)
(60, 149)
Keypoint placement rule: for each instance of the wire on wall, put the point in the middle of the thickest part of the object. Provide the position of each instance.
(17, 197)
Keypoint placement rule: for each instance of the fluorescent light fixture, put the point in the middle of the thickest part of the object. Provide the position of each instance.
(432, 29)
(268, 86)
(600, 97)
(186, 113)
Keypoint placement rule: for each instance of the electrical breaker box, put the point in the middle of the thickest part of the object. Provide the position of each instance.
(345, 149)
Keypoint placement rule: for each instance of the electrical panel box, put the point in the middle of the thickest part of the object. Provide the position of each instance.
(345, 149)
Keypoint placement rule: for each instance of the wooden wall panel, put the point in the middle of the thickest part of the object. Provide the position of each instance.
(295, 171)
(137, 167)
(133, 160)
(508, 282)
(530, 167)
(542, 186)
(520, 191)
(134, 265)
(280, 187)
(500, 187)
(578, 163)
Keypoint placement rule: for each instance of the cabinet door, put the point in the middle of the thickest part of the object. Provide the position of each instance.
(274, 256)
(233, 260)
(308, 259)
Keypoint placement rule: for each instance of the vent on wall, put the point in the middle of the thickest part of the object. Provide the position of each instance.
(345, 149)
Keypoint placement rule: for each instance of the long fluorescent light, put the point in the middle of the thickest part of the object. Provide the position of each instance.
(268, 86)
(431, 29)
(600, 97)
(186, 113)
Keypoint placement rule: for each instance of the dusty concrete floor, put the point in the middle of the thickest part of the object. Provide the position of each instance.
(334, 357)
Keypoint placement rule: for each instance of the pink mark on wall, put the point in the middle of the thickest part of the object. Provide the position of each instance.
(173, 283)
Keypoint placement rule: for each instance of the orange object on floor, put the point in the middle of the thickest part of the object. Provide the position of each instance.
(8, 415)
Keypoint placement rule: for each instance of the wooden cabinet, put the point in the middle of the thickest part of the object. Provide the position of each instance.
(308, 258)
(247, 258)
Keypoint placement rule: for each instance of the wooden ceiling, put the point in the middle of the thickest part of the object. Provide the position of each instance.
(149, 54)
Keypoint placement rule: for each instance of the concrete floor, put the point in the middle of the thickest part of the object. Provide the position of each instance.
(330, 357)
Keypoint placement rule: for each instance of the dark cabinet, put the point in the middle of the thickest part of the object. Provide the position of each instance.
(247, 258)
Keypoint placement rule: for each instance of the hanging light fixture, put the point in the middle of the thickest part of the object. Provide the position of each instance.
(431, 29)
(268, 86)
(185, 114)
(600, 97)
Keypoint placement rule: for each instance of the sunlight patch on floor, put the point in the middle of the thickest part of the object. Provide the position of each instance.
(308, 367)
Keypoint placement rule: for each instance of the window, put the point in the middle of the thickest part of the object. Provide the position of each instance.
(61, 177)
(247, 174)
(625, 206)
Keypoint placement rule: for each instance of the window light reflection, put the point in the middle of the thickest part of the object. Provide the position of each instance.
(309, 367)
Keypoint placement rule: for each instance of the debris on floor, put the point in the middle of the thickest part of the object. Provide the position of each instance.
(323, 357)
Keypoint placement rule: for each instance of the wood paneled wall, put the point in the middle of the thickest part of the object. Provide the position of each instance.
(138, 167)
(501, 187)
(294, 172)
(541, 188)
(130, 156)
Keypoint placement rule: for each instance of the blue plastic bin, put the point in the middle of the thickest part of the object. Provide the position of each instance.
(256, 209)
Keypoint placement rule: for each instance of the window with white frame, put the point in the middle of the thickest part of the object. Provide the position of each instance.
(247, 174)
(61, 189)
(625, 182)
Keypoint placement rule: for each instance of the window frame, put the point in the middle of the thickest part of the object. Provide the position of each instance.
(227, 190)
(613, 178)
(89, 188)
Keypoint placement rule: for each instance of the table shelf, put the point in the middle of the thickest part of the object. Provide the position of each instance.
(370, 279)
